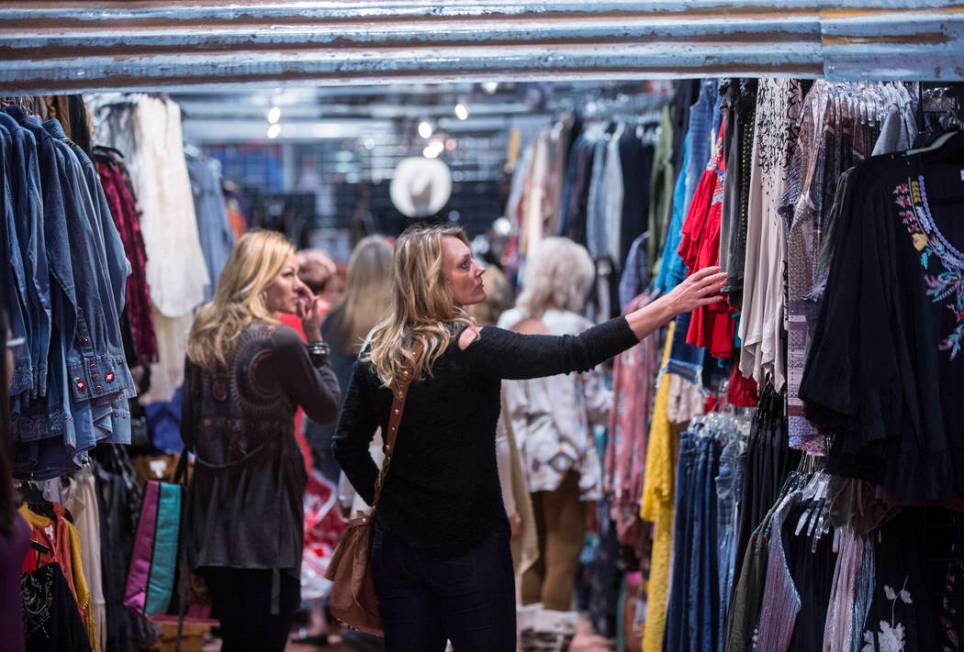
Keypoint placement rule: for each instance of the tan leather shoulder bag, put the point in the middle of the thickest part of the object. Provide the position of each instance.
(353, 600)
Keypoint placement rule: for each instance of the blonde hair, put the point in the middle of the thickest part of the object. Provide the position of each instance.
(423, 308)
(368, 291)
(256, 259)
(497, 298)
(559, 275)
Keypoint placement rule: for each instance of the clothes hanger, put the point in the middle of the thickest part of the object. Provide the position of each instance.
(34, 499)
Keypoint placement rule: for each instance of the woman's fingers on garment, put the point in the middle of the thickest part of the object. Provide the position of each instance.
(708, 301)
(705, 272)
(709, 280)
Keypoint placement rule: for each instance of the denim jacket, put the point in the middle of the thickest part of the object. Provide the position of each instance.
(23, 181)
(17, 288)
(51, 417)
(96, 365)
(214, 231)
(89, 383)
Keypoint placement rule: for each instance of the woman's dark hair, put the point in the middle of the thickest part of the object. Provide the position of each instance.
(7, 502)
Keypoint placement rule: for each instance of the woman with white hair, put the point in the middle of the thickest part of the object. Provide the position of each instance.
(553, 419)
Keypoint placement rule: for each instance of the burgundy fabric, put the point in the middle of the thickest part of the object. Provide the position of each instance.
(123, 208)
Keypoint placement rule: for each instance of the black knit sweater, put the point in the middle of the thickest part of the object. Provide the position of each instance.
(442, 494)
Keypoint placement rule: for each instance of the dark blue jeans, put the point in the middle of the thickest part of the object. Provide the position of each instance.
(424, 600)
(677, 626)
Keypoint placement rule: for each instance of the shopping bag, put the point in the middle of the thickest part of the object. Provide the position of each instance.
(153, 569)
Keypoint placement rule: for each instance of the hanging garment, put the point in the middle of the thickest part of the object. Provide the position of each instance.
(711, 326)
(635, 276)
(661, 187)
(884, 371)
(147, 131)
(838, 131)
(761, 320)
(634, 374)
(82, 503)
(214, 230)
(51, 621)
(672, 271)
(28, 294)
(901, 614)
(830, 141)
(125, 212)
(119, 502)
(81, 380)
(740, 118)
(657, 506)
(62, 541)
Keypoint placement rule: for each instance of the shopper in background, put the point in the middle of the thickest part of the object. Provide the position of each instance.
(367, 293)
(14, 531)
(245, 375)
(441, 560)
(515, 493)
(319, 272)
(553, 418)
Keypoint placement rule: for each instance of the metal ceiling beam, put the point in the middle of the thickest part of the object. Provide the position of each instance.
(69, 46)
(249, 108)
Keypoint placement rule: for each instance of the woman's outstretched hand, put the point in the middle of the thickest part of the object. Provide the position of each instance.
(701, 288)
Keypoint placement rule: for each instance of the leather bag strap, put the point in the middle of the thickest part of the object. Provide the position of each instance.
(399, 394)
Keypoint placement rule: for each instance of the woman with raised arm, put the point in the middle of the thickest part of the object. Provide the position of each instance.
(440, 556)
(246, 374)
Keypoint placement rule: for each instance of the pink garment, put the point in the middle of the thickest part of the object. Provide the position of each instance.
(634, 375)
(838, 632)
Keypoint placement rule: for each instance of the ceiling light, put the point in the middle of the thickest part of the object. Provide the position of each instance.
(434, 149)
(425, 129)
(274, 114)
(274, 131)
(461, 111)
(490, 87)
(502, 227)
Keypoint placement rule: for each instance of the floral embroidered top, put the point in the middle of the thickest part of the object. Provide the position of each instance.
(885, 371)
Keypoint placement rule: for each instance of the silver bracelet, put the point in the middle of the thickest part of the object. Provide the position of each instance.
(318, 348)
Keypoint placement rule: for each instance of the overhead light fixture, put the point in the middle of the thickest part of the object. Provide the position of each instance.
(490, 87)
(425, 129)
(434, 149)
(274, 114)
(461, 111)
(274, 131)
